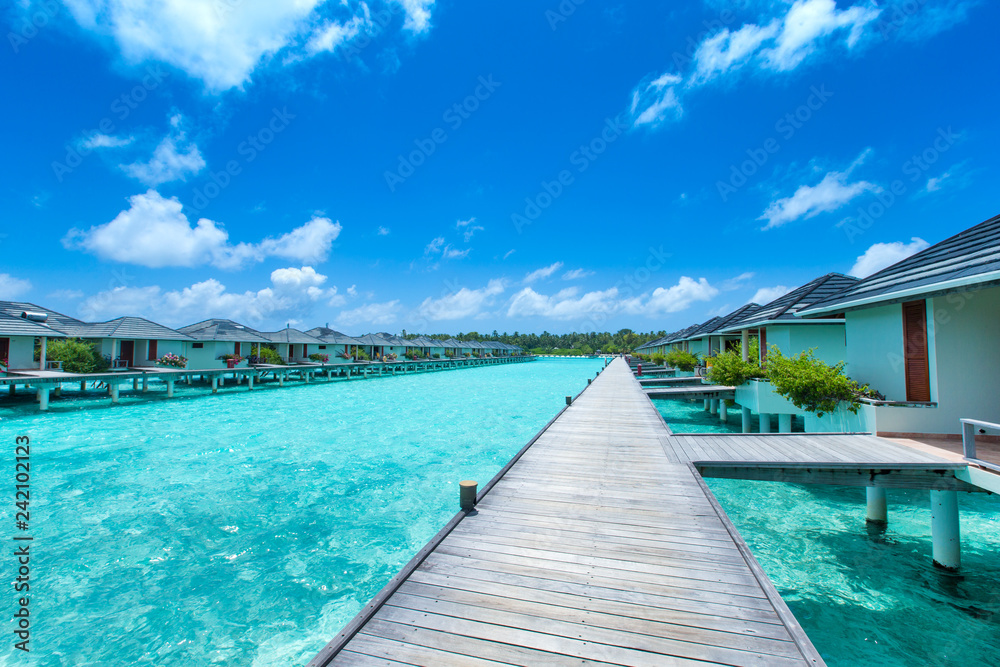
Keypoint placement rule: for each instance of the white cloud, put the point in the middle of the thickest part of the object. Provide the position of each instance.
(11, 287)
(656, 101)
(175, 158)
(680, 296)
(434, 246)
(470, 228)
(541, 273)
(378, 314)
(99, 140)
(418, 14)
(567, 304)
(66, 294)
(576, 274)
(934, 183)
(293, 293)
(809, 201)
(154, 232)
(766, 295)
(882, 255)
(454, 253)
(737, 282)
(509, 253)
(383, 231)
(727, 50)
(461, 304)
(807, 23)
(222, 42)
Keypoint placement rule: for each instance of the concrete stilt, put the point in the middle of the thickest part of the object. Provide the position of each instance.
(145, 383)
(281, 380)
(221, 378)
(747, 420)
(877, 510)
(58, 391)
(723, 410)
(114, 392)
(708, 405)
(135, 384)
(215, 384)
(765, 423)
(945, 530)
(713, 406)
(43, 398)
(305, 377)
(12, 390)
(83, 385)
(170, 388)
(250, 382)
(784, 423)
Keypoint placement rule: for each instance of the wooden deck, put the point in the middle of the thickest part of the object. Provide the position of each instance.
(602, 544)
(691, 390)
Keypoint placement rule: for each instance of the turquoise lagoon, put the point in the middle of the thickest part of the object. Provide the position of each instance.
(246, 528)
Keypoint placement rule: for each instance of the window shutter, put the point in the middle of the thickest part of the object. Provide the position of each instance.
(152, 351)
(918, 380)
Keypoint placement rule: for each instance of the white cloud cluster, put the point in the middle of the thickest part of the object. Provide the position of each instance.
(775, 44)
(576, 274)
(570, 304)
(12, 288)
(809, 201)
(175, 158)
(222, 42)
(882, 255)
(766, 295)
(468, 228)
(461, 304)
(293, 293)
(377, 314)
(154, 232)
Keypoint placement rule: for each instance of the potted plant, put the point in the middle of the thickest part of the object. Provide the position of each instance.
(172, 360)
(322, 358)
(232, 360)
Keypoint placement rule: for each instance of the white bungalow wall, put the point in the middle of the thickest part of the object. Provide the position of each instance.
(828, 339)
(111, 347)
(207, 357)
(21, 354)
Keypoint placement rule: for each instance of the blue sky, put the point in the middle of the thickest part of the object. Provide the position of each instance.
(434, 165)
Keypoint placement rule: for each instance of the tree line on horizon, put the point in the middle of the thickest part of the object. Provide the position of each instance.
(624, 340)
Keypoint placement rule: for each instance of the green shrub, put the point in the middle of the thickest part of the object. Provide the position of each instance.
(269, 356)
(728, 368)
(77, 356)
(322, 358)
(436, 355)
(658, 358)
(681, 360)
(362, 355)
(813, 385)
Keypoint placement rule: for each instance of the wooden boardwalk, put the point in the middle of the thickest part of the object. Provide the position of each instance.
(601, 545)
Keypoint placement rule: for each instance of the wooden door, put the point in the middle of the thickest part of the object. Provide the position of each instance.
(127, 352)
(152, 351)
(918, 378)
(4, 350)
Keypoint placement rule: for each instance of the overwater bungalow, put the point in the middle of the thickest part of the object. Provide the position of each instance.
(294, 346)
(18, 336)
(452, 347)
(131, 342)
(923, 332)
(429, 347)
(216, 338)
(341, 347)
(377, 347)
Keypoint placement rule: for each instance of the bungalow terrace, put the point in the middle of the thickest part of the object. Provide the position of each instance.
(923, 332)
(452, 347)
(214, 338)
(21, 352)
(376, 346)
(292, 345)
(336, 344)
(130, 342)
(713, 337)
(429, 347)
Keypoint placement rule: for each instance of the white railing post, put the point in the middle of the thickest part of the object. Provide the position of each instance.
(968, 439)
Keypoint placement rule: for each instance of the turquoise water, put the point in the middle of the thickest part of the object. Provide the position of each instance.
(875, 599)
(248, 528)
(689, 416)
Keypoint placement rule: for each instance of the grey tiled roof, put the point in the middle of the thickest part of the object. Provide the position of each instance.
(971, 257)
(333, 337)
(224, 330)
(290, 335)
(124, 327)
(784, 308)
(55, 319)
(17, 326)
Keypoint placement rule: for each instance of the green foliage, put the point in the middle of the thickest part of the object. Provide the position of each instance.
(77, 356)
(270, 356)
(322, 358)
(681, 360)
(436, 355)
(812, 384)
(728, 368)
(658, 358)
(362, 355)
